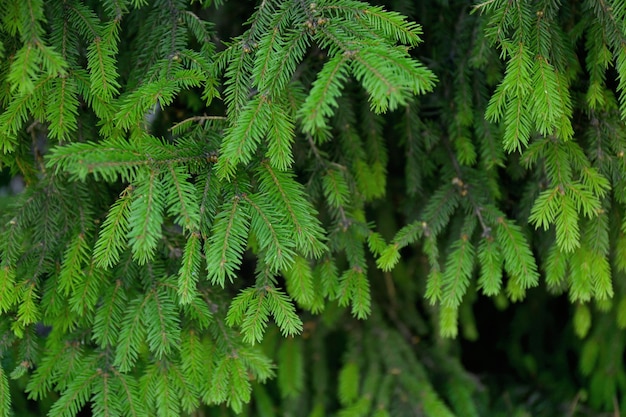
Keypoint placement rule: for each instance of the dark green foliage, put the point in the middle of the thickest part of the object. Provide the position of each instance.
(292, 207)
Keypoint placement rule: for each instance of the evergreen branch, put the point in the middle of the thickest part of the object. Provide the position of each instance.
(30, 27)
(581, 276)
(13, 229)
(266, 50)
(24, 69)
(17, 112)
(410, 233)
(75, 257)
(48, 370)
(77, 392)
(228, 241)
(335, 188)
(434, 281)
(384, 87)
(115, 159)
(333, 185)
(284, 312)
(146, 218)
(393, 25)
(84, 218)
(239, 392)
(192, 357)
(595, 181)
(457, 273)
(299, 279)
(353, 287)
(555, 267)
(566, 221)
(136, 104)
(208, 189)
(547, 107)
(103, 109)
(262, 19)
(412, 73)
(558, 163)
(72, 158)
(106, 324)
(518, 259)
(197, 26)
(199, 312)
(244, 136)
(101, 65)
(66, 369)
(238, 80)
(85, 296)
(5, 396)
(564, 131)
(132, 334)
(28, 310)
(433, 405)
(515, 86)
(486, 5)
(189, 272)
(517, 125)
(606, 14)
(111, 241)
(497, 104)
(274, 239)
(491, 152)
(256, 317)
(326, 272)
(491, 260)
(260, 366)
(200, 119)
(130, 322)
(162, 322)
(586, 201)
(323, 96)
(240, 305)
(105, 402)
(280, 137)
(280, 186)
(458, 180)
(596, 233)
(290, 52)
(116, 9)
(165, 393)
(187, 393)
(388, 257)
(182, 203)
(438, 211)
(51, 61)
(221, 376)
(601, 276)
(361, 298)
(85, 20)
(7, 288)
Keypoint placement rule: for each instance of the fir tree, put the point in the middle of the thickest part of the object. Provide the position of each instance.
(292, 207)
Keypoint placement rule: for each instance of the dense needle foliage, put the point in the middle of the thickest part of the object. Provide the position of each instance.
(312, 208)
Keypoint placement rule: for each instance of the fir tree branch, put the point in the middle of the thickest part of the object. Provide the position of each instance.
(345, 221)
(458, 181)
(199, 119)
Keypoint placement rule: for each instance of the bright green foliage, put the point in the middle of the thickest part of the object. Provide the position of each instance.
(290, 209)
(5, 398)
